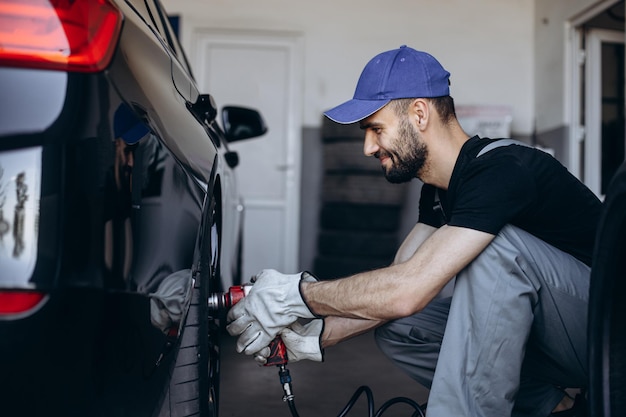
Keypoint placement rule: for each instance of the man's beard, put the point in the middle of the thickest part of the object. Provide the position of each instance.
(410, 156)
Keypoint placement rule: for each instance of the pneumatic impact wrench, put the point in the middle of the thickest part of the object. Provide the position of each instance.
(221, 302)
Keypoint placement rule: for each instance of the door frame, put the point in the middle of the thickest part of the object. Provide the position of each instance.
(593, 104)
(577, 57)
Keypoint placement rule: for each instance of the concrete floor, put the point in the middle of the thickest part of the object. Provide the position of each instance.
(320, 389)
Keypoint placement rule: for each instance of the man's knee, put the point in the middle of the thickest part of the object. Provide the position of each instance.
(393, 334)
(413, 345)
(386, 336)
(426, 327)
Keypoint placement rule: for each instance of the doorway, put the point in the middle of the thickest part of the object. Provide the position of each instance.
(597, 136)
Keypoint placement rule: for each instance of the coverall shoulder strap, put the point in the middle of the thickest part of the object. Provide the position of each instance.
(499, 143)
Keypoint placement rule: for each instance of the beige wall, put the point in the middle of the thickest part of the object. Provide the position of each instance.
(487, 45)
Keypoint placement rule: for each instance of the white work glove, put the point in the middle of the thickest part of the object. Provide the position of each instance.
(301, 341)
(273, 303)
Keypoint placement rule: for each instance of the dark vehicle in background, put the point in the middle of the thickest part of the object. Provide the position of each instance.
(607, 308)
(119, 213)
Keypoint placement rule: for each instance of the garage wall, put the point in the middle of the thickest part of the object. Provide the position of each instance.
(486, 45)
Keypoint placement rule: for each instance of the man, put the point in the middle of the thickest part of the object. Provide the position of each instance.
(514, 227)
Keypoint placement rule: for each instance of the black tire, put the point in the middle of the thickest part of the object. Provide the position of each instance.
(607, 307)
(194, 387)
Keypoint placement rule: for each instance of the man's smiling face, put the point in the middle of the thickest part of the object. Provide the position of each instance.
(395, 141)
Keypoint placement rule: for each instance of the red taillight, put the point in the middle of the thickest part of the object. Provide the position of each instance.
(65, 35)
(15, 302)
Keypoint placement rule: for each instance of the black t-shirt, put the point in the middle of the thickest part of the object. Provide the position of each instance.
(516, 185)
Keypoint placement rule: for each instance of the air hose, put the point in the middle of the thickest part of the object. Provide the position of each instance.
(285, 380)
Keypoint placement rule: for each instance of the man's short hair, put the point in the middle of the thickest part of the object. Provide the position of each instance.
(444, 106)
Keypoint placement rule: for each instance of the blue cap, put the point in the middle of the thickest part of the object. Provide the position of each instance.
(399, 73)
(127, 126)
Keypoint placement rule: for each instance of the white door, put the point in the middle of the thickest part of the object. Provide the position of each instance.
(604, 107)
(263, 71)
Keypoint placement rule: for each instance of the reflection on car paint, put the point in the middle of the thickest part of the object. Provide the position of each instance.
(20, 177)
(118, 235)
(170, 301)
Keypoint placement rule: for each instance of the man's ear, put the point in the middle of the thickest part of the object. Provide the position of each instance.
(420, 112)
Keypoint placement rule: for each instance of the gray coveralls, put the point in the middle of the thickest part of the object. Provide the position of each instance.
(516, 332)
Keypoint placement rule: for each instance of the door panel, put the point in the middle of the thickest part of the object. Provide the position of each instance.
(262, 71)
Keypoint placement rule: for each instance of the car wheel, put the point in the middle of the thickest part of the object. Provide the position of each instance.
(607, 309)
(194, 387)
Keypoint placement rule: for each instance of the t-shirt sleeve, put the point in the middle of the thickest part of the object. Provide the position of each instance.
(493, 193)
(428, 215)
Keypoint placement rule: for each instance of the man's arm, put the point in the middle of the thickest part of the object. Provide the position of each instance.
(413, 241)
(403, 288)
(338, 329)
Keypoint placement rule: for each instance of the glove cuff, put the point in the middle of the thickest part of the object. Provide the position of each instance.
(306, 276)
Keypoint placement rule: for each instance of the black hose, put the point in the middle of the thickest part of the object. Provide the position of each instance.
(292, 408)
(355, 396)
(419, 412)
(418, 409)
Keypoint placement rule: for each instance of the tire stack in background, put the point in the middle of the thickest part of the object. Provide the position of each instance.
(360, 211)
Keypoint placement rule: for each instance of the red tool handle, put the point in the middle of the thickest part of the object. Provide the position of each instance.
(235, 294)
(278, 353)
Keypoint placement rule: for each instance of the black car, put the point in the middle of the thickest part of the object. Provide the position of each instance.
(607, 309)
(119, 213)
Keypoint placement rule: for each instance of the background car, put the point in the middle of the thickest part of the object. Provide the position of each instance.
(119, 213)
(607, 310)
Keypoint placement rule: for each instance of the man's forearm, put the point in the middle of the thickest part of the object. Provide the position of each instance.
(400, 289)
(338, 329)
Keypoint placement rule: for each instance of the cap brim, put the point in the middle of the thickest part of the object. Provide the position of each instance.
(354, 110)
(138, 131)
